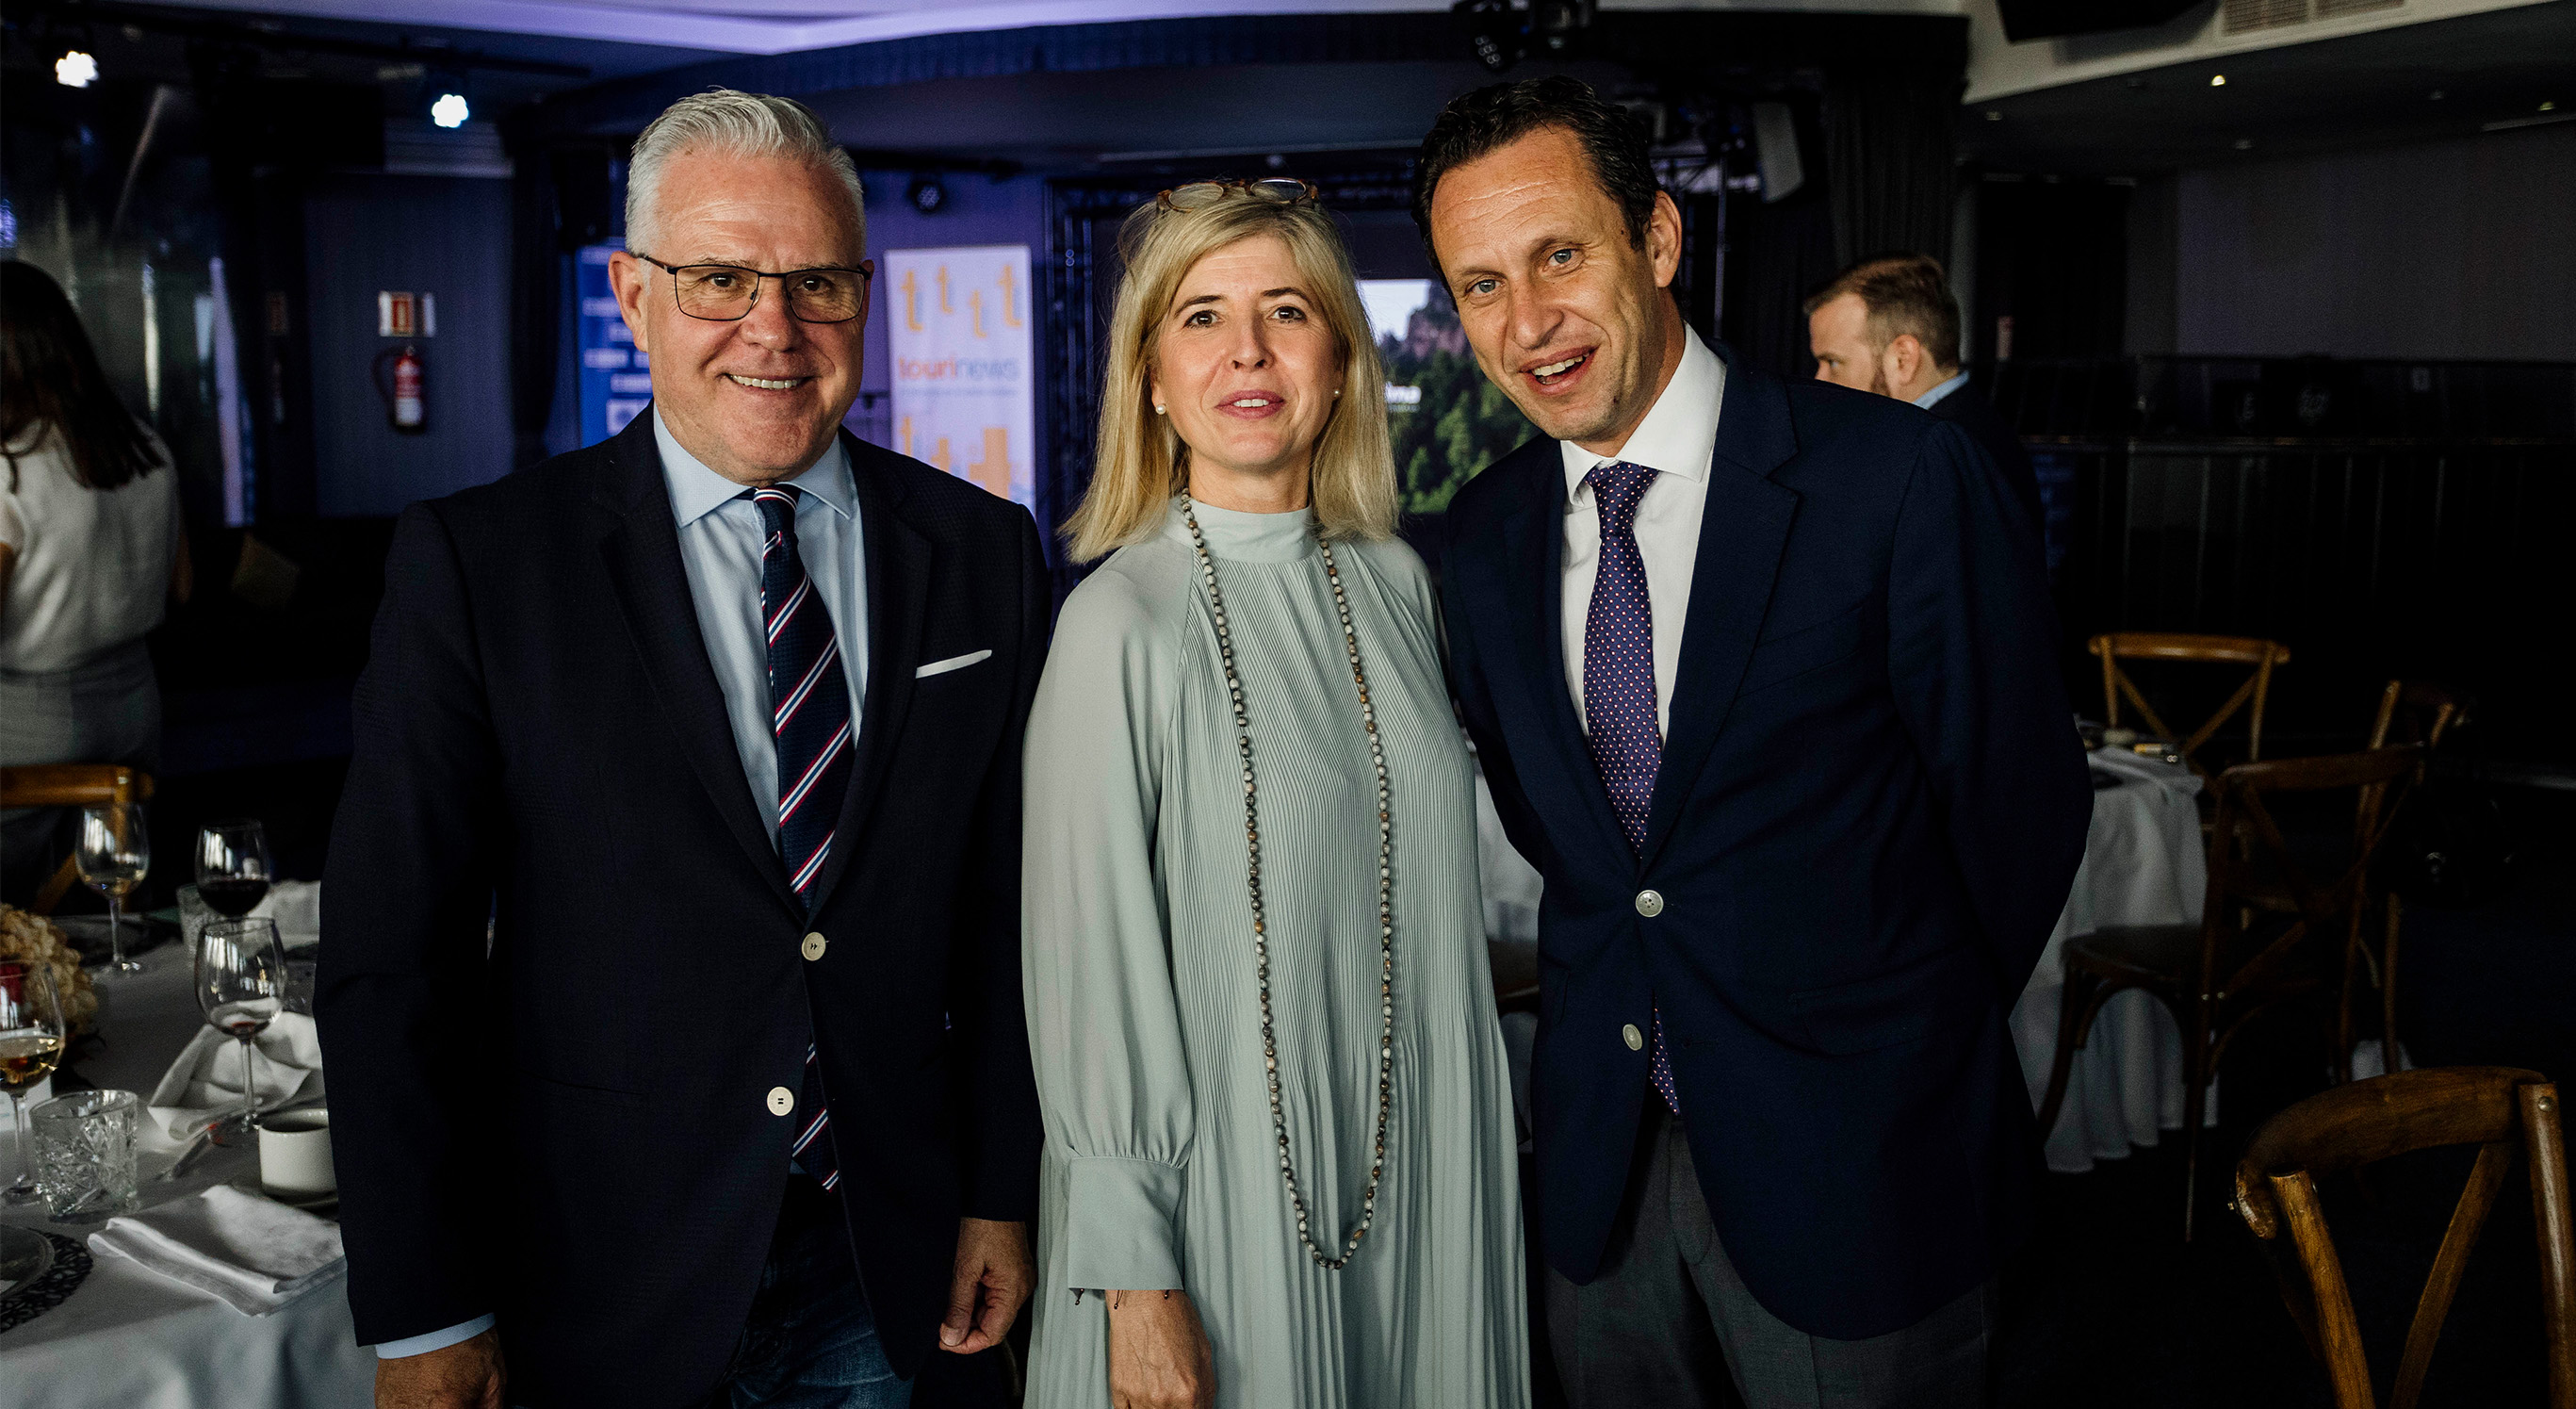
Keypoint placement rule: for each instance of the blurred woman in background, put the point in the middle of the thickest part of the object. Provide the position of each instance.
(90, 551)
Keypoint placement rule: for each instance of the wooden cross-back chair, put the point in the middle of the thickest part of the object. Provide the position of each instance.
(2410, 712)
(69, 785)
(2507, 1113)
(2259, 655)
(2263, 919)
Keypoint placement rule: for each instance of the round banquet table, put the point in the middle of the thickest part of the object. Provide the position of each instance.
(128, 1338)
(2143, 865)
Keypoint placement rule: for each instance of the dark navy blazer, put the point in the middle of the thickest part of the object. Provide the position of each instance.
(1871, 805)
(572, 1131)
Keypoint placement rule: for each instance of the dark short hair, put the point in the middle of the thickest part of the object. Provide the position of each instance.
(1489, 119)
(51, 381)
(1904, 293)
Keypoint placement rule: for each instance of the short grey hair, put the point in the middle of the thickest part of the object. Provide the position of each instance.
(734, 124)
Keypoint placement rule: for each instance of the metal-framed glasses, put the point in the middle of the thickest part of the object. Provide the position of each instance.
(726, 293)
(1199, 195)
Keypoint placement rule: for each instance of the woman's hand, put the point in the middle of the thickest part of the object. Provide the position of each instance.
(1158, 1353)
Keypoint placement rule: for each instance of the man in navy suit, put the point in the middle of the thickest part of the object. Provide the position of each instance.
(1761, 676)
(714, 730)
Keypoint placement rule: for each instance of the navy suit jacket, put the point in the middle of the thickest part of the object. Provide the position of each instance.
(573, 1131)
(1969, 409)
(1870, 807)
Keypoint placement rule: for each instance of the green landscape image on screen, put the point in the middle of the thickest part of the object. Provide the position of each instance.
(1445, 420)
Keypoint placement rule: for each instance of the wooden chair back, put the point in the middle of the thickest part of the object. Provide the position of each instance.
(2260, 656)
(2418, 712)
(2507, 1113)
(69, 785)
(2252, 871)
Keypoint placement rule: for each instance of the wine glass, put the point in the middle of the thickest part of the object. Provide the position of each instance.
(241, 988)
(113, 855)
(31, 1041)
(232, 866)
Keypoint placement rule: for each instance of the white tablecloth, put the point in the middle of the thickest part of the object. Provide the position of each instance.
(2143, 865)
(132, 1339)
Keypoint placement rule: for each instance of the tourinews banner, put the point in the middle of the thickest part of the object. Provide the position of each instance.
(965, 386)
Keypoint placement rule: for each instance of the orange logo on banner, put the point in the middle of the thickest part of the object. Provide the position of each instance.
(994, 470)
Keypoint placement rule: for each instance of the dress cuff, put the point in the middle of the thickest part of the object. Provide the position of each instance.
(1123, 1225)
(457, 1334)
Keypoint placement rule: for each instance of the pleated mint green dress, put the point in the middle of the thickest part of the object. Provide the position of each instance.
(1161, 1166)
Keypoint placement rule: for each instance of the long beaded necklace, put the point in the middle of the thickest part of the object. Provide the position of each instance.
(1260, 926)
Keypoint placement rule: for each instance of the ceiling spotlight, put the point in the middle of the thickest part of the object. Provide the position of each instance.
(2244, 144)
(2218, 80)
(449, 110)
(75, 70)
(926, 195)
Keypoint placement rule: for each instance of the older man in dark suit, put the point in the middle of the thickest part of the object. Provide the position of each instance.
(716, 725)
(1762, 676)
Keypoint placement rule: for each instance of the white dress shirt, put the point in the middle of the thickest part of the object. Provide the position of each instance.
(1676, 440)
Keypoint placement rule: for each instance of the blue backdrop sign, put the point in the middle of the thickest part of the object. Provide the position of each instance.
(615, 382)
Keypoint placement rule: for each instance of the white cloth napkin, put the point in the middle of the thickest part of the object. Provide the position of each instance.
(297, 908)
(2135, 767)
(286, 1063)
(255, 1254)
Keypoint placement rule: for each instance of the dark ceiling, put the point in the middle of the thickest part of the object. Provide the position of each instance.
(2441, 78)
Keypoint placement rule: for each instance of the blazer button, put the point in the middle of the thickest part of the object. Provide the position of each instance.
(1649, 904)
(1636, 1040)
(782, 1100)
(814, 946)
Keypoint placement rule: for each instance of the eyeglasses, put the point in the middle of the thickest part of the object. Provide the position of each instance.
(1199, 195)
(725, 293)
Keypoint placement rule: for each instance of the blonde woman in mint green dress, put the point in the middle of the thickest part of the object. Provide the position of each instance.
(1244, 485)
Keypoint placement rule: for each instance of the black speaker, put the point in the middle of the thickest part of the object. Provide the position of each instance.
(2051, 19)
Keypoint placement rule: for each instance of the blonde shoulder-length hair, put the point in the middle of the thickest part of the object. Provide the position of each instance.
(1141, 463)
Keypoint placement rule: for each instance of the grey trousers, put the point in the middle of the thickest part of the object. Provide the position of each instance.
(1668, 1323)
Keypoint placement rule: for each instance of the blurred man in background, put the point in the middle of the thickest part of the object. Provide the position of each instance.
(1891, 325)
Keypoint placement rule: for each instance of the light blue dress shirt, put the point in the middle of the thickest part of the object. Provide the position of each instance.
(720, 543)
(1927, 400)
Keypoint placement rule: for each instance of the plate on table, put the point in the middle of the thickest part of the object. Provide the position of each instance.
(88, 934)
(323, 1205)
(24, 1257)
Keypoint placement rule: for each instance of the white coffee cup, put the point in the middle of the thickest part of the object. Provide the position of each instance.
(295, 1153)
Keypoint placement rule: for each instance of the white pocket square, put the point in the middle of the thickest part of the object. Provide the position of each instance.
(942, 667)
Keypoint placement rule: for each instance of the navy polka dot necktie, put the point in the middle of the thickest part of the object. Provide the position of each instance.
(1619, 682)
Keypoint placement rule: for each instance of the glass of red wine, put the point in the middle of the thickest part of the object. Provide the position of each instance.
(241, 988)
(232, 867)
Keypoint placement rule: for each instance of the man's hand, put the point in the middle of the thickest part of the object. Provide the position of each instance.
(992, 1282)
(466, 1375)
(1158, 1353)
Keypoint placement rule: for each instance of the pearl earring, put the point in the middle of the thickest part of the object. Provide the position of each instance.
(1158, 410)
(1337, 393)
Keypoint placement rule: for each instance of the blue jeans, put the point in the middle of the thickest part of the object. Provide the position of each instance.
(811, 1339)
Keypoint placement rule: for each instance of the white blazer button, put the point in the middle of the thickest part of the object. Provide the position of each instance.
(782, 1100)
(814, 946)
(1649, 904)
(1636, 1039)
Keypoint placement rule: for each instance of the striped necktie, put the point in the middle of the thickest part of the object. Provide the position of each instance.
(809, 700)
(809, 696)
(1619, 683)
